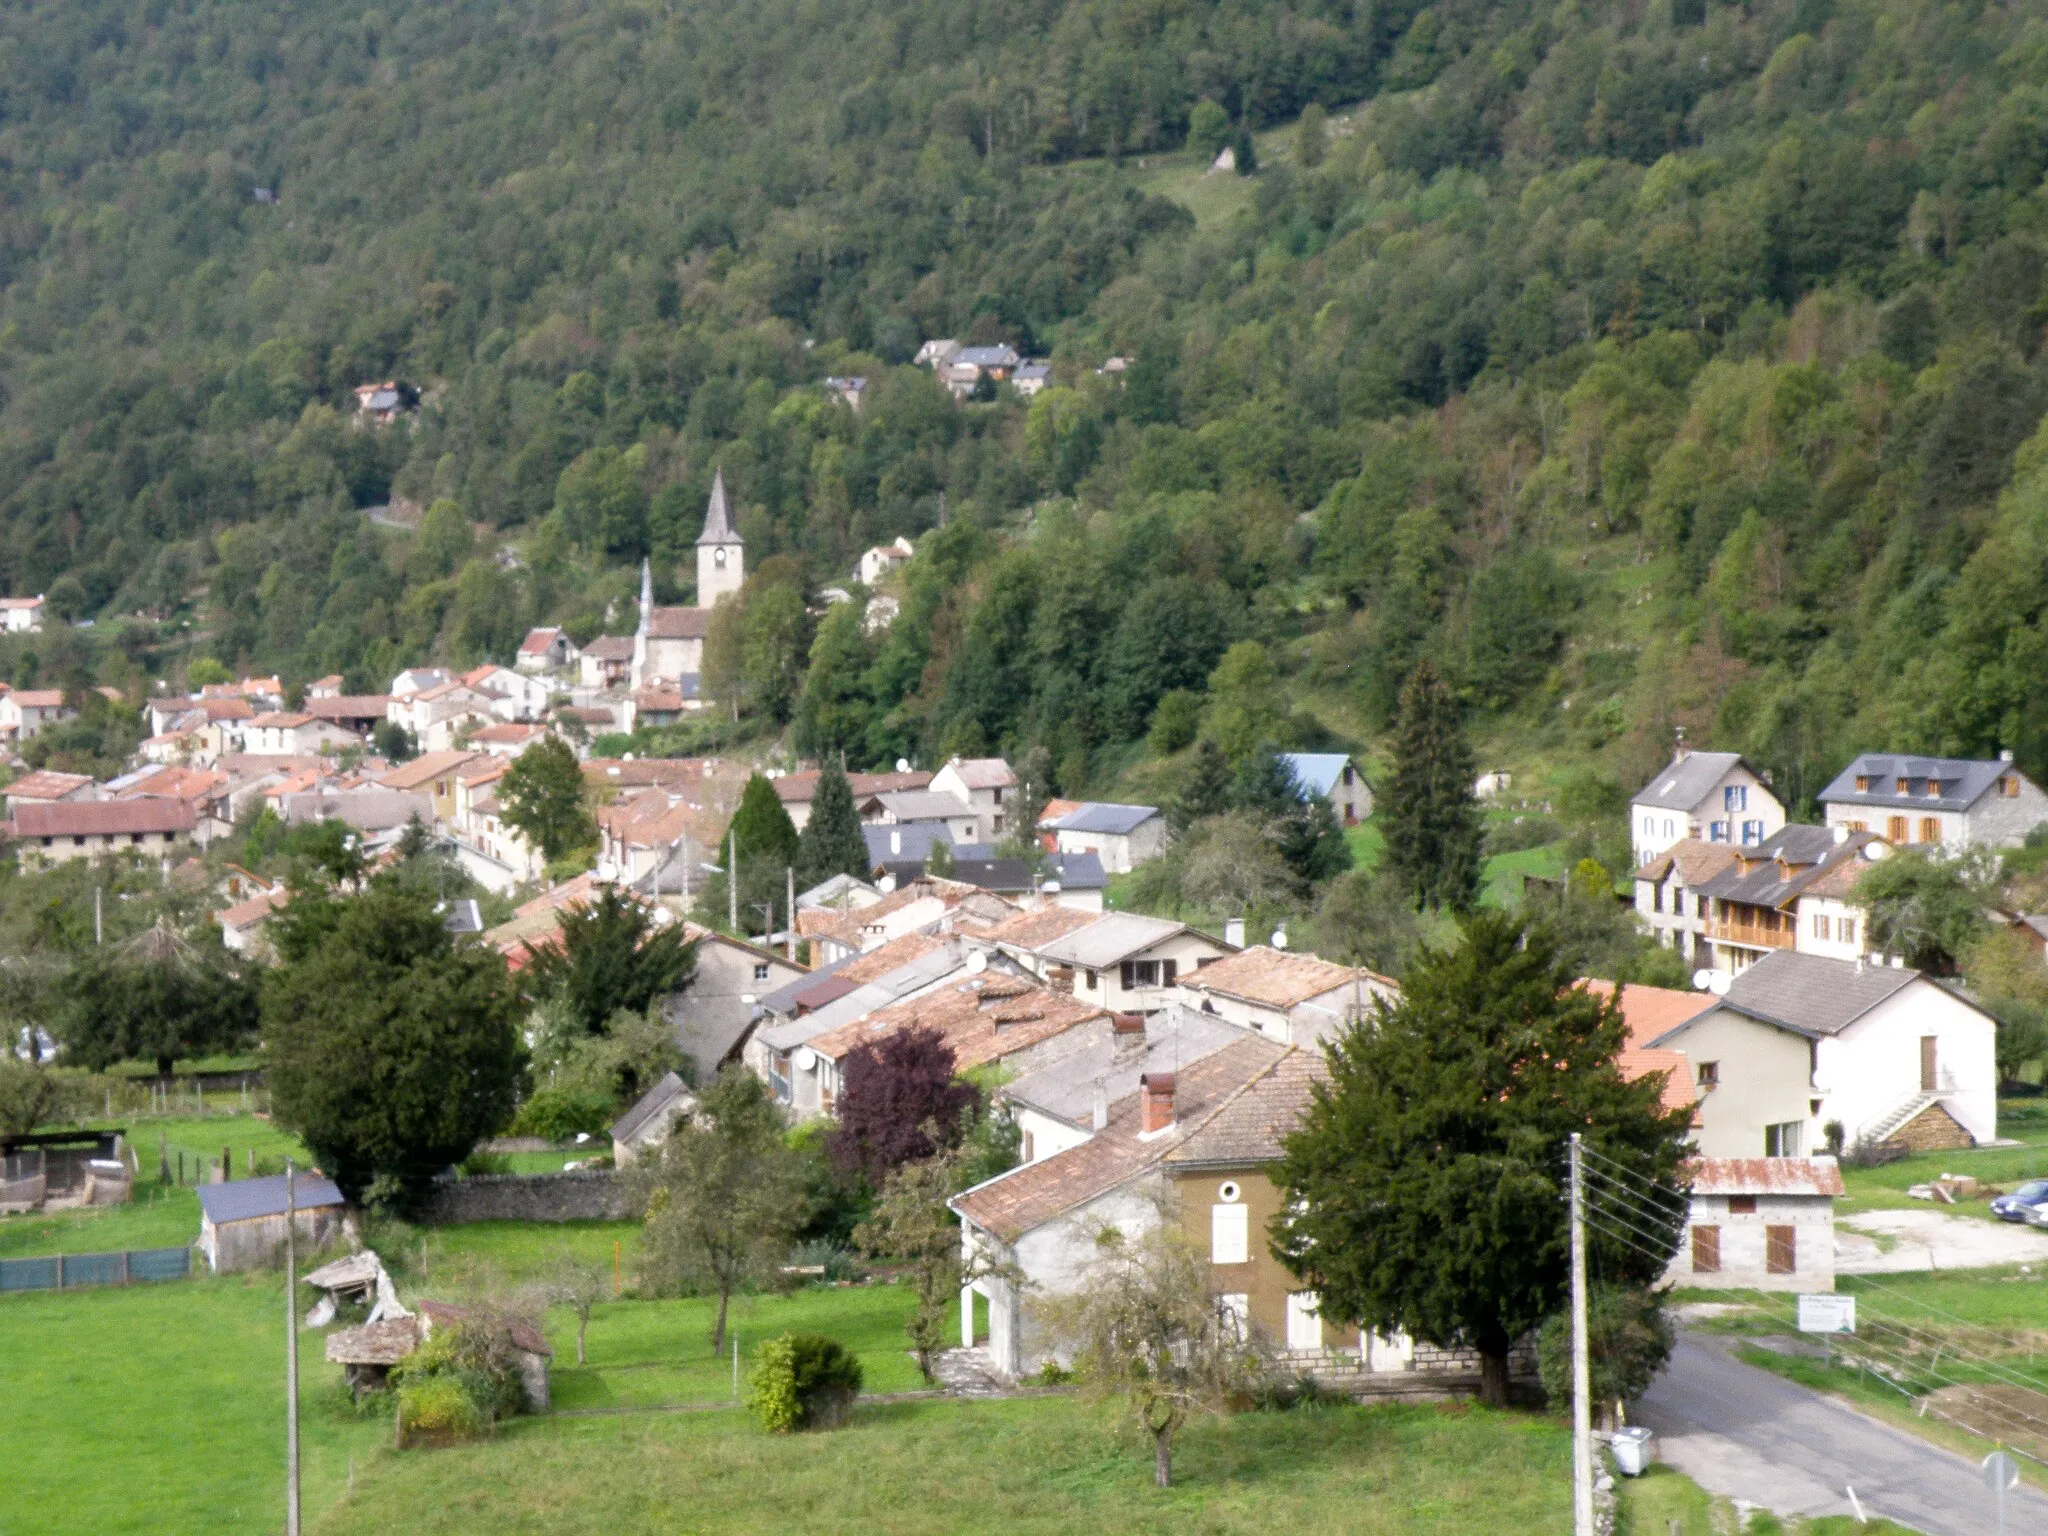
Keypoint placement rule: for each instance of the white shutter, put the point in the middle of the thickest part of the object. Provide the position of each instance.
(1229, 1234)
(1304, 1323)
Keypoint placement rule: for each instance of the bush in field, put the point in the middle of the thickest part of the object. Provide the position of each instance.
(559, 1113)
(802, 1381)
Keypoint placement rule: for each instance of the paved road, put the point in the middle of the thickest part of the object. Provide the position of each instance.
(1751, 1435)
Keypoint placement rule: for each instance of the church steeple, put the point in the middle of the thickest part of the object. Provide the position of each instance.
(721, 557)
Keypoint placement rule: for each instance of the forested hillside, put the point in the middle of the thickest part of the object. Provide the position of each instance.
(1644, 365)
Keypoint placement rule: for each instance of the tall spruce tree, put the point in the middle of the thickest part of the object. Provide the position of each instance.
(1425, 1183)
(764, 840)
(1204, 788)
(831, 842)
(1427, 815)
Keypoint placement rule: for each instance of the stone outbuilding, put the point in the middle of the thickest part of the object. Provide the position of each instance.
(1760, 1224)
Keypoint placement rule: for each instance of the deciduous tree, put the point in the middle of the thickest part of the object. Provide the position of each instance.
(545, 797)
(900, 1104)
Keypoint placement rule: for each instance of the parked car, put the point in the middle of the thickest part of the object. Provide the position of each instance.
(2027, 1203)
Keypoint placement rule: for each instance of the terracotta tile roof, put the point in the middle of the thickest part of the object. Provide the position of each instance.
(1649, 1012)
(246, 913)
(847, 928)
(537, 641)
(279, 719)
(1249, 1127)
(1030, 930)
(983, 1019)
(100, 818)
(486, 770)
(219, 709)
(641, 772)
(800, 787)
(46, 784)
(1764, 1176)
(1055, 809)
(610, 648)
(1278, 978)
(895, 954)
(509, 731)
(350, 706)
(424, 770)
(177, 783)
(678, 623)
(384, 1343)
(39, 698)
(1028, 1197)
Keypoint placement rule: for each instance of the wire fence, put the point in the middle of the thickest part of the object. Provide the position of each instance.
(70, 1271)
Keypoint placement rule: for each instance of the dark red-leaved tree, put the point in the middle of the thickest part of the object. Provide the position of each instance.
(896, 1092)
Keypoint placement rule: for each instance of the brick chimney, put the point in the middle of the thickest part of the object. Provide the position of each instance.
(1155, 1107)
(1127, 1033)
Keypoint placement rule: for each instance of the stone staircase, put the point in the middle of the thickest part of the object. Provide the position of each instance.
(1885, 1127)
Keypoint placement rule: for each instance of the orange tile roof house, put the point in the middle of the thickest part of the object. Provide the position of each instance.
(52, 834)
(1296, 998)
(1651, 1012)
(25, 711)
(46, 786)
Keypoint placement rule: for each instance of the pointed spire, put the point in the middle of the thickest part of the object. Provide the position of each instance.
(718, 527)
(646, 594)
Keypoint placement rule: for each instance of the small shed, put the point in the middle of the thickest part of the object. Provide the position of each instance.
(367, 1351)
(357, 1279)
(1760, 1224)
(647, 1123)
(54, 1170)
(242, 1224)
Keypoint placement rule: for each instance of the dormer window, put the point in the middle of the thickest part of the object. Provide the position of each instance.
(1862, 783)
(1934, 789)
(1902, 784)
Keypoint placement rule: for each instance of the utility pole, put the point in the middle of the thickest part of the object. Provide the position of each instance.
(98, 931)
(1582, 1386)
(732, 881)
(291, 1351)
(789, 932)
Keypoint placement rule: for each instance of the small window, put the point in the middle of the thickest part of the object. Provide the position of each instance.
(1902, 784)
(1781, 1250)
(1783, 1139)
(1234, 1314)
(1742, 1205)
(1656, 898)
(1862, 783)
(2009, 786)
(1229, 1234)
(761, 971)
(1706, 1250)
(1094, 981)
(1934, 789)
(1895, 828)
(1820, 926)
(1709, 1074)
(1845, 929)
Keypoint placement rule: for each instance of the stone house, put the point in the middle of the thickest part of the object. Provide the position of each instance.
(1334, 777)
(1936, 802)
(54, 834)
(1759, 1224)
(1121, 836)
(546, 650)
(989, 787)
(1669, 901)
(1295, 999)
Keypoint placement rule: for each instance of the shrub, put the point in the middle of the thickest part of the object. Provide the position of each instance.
(1628, 1337)
(802, 1381)
(560, 1113)
(438, 1405)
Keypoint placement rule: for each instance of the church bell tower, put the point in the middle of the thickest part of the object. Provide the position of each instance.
(721, 557)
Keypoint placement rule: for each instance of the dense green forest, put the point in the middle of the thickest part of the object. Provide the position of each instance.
(1645, 365)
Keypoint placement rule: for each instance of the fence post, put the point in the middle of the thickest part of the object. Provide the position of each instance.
(124, 1266)
(60, 1271)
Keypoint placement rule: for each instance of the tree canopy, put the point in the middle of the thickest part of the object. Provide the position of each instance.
(544, 796)
(610, 955)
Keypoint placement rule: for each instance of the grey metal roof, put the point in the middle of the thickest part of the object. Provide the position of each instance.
(1791, 859)
(908, 805)
(245, 1199)
(986, 357)
(1077, 872)
(912, 841)
(1174, 1036)
(718, 527)
(1318, 771)
(926, 971)
(1963, 781)
(652, 1102)
(1685, 781)
(1103, 816)
(832, 892)
(789, 996)
(1112, 937)
(1809, 995)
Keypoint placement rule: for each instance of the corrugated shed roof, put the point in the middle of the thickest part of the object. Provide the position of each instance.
(1103, 817)
(1111, 937)
(1764, 1176)
(1685, 781)
(248, 1199)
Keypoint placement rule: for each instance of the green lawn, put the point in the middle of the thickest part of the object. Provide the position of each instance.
(1662, 1501)
(1035, 1465)
(2022, 1120)
(1503, 874)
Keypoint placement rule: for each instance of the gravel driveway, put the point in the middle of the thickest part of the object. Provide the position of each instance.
(1932, 1239)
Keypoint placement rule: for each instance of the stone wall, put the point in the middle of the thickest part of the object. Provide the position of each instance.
(1934, 1129)
(588, 1194)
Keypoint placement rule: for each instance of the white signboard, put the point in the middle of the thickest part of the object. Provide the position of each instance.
(1827, 1313)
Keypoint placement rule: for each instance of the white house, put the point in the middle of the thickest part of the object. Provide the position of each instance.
(914, 807)
(1293, 998)
(1945, 802)
(878, 562)
(1759, 1224)
(1714, 796)
(21, 615)
(546, 650)
(1122, 836)
(25, 711)
(276, 733)
(1334, 777)
(517, 695)
(1801, 1042)
(988, 786)
(1124, 961)
(1669, 901)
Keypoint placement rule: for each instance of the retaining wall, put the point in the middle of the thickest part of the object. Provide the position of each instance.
(587, 1194)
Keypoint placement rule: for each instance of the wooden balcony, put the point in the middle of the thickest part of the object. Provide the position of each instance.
(1752, 935)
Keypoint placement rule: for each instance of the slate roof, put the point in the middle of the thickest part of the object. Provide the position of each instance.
(1279, 978)
(1685, 781)
(1103, 817)
(1077, 871)
(1963, 780)
(651, 1103)
(1317, 771)
(1112, 937)
(921, 805)
(985, 357)
(1809, 995)
(1764, 1175)
(913, 841)
(246, 1199)
(1014, 1203)
(983, 772)
(1777, 871)
(718, 527)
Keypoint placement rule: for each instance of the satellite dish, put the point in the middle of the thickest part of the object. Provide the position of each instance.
(1702, 980)
(806, 1058)
(1720, 984)
(977, 961)
(1279, 938)
(903, 765)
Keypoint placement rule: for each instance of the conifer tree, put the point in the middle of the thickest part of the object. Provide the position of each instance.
(766, 843)
(1428, 815)
(1205, 791)
(831, 842)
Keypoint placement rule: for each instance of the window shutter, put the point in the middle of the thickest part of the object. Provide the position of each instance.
(1706, 1250)
(1229, 1234)
(1781, 1250)
(1169, 970)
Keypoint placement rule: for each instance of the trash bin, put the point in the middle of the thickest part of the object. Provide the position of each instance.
(1632, 1451)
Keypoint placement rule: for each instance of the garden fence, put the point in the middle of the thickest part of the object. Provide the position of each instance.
(65, 1271)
